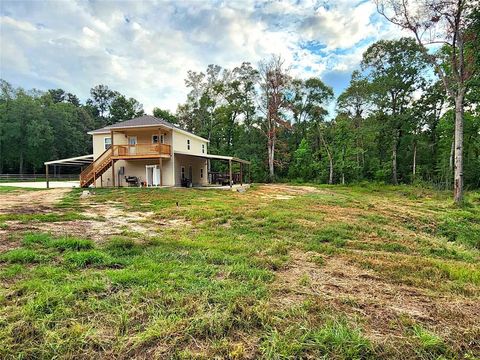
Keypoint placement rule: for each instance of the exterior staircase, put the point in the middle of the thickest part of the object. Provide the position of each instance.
(97, 168)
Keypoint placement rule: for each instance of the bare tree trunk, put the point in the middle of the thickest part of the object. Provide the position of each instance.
(394, 158)
(271, 158)
(414, 172)
(458, 169)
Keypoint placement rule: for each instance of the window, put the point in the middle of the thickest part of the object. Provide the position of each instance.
(188, 144)
(203, 148)
(201, 173)
(107, 142)
(155, 139)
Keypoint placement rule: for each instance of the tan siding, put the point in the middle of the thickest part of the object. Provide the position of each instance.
(180, 143)
(196, 163)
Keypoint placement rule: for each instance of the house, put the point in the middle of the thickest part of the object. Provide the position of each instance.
(149, 151)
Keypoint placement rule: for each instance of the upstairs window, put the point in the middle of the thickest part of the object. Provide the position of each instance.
(203, 148)
(188, 144)
(107, 143)
(155, 139)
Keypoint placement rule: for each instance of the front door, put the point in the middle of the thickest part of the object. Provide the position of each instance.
(132, 145)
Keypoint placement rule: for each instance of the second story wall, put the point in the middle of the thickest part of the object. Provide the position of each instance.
(120, 137)
(182, 140)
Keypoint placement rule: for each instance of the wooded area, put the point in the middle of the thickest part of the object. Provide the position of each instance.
(395, 122)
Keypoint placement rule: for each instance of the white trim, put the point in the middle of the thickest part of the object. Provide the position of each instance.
(104, 144)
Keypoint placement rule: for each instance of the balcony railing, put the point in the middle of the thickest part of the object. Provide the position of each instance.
(141, 150)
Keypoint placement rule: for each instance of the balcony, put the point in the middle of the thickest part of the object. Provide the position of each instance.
(141, 151)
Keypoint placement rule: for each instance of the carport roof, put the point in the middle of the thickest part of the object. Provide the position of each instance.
(74, 161)
(211, 156)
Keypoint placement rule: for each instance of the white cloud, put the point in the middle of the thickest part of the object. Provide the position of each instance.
(144, 49)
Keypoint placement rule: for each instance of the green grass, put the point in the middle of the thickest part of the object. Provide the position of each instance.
(247, 276)
(43, 217)
(22, 256)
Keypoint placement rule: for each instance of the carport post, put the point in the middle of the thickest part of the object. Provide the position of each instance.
(46, 176)
(230, 172)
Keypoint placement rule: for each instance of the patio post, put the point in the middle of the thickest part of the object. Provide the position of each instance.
(161, 169)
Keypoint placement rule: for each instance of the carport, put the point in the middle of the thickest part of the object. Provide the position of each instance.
(79, 161)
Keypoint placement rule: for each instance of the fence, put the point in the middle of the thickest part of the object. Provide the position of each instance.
(37, 177)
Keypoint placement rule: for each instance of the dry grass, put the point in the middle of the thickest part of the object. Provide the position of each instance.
(280, 271)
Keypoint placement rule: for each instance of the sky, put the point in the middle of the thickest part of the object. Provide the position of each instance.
(143, 49)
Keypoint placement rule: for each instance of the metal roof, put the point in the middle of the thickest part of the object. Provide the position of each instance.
(211, 156)
(74, 161)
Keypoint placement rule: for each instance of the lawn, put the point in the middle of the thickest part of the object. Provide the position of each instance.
(277, 272)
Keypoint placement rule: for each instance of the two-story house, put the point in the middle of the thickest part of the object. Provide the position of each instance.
(156, 153)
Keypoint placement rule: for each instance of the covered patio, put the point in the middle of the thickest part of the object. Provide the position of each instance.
(238, 169)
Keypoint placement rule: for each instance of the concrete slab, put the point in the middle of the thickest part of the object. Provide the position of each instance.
(42, 184)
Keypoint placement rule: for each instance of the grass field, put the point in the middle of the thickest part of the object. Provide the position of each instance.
(277, 272)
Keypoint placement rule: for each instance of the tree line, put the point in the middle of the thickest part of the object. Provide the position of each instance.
(408, 115)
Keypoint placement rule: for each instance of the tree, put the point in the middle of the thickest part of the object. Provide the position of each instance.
(122, 109)
(165, 115)
(445, 22)
(354, 102)
(303, 166)
(395, 69)
(274, 83)
(101, 99)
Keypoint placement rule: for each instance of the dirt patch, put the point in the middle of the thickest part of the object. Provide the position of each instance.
(283, 191)
(28, 202)
(353, 290)
(102, 220)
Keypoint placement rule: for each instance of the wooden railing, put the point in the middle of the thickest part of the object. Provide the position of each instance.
(98, 165)
(139, 150)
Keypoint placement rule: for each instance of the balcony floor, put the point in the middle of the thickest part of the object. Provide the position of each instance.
(142, 156)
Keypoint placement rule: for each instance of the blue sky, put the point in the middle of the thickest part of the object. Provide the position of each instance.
(145, 48)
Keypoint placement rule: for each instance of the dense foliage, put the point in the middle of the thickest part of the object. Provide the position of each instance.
(393, 123)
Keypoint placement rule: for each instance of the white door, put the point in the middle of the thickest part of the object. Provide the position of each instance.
(152, 175)
(132, 142)
(156, 176)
